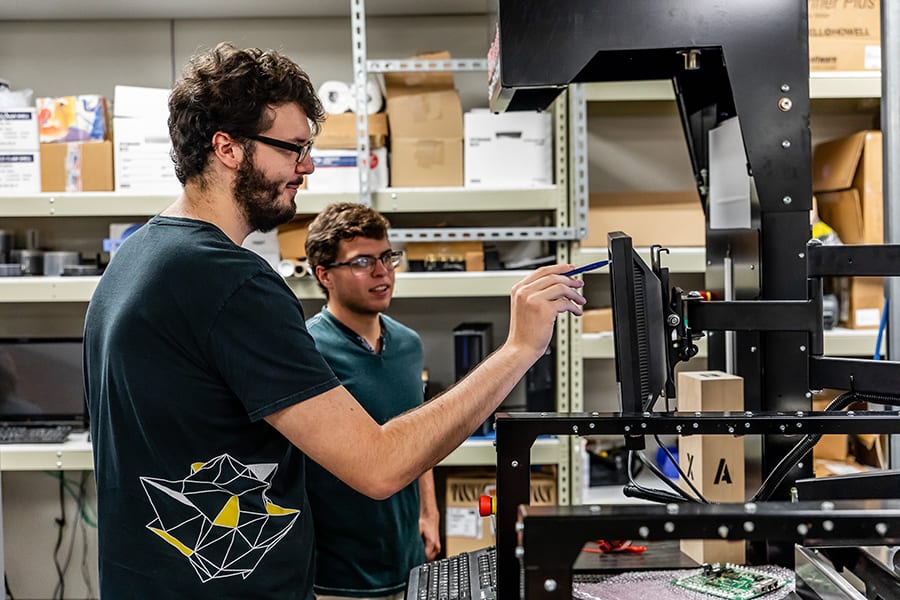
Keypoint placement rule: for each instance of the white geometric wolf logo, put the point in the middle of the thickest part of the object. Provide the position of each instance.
(218, 516)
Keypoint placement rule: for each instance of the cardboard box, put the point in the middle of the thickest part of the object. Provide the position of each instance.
(18, 129)
(337, 171)
(713, 463)
(426, 162)
(471, 253)
(508, 150)
(844, 35)
(339, 132)
(667, 218)
(465, 529)
(597, 320)
(425, 116)
(847, 182)
(861, 301)
(77, 167)
(20, 172)
(292, 238)
(73, 118)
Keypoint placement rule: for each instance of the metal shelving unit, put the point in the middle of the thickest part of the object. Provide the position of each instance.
(390, 200)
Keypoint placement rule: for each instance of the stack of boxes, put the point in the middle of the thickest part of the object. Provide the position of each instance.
(847, 182)
(425, 115)
(335, 157)
(20, 158)
(76, 151)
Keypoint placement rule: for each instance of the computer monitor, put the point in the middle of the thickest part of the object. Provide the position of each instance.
(41, 381)
(639, 330)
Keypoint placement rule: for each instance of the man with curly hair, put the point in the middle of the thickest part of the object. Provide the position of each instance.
(205, 390)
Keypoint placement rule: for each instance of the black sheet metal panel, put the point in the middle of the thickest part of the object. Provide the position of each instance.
(858, 260)
(752, 56)
(552, 537)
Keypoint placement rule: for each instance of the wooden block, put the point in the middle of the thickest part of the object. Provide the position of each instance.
(713, 463)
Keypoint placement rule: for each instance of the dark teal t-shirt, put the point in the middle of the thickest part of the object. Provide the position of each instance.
(366, 547)
(190, 341)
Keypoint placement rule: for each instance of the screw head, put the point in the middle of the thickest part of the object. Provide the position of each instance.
(785, 88)
(550, 585)
(785, 104)
(785, 144)
(787, 199)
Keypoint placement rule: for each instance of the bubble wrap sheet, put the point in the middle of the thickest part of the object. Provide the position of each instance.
(658, 586)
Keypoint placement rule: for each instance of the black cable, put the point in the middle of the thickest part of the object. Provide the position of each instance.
(662, 477)
(784, 466)
(60, 590)
(684, 477)
(9, 594)
(635, 490)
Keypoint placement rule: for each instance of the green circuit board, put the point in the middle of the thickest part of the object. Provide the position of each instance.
(731, 582)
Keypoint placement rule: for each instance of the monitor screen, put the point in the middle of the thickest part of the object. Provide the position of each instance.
(41, 381)
(639, 330)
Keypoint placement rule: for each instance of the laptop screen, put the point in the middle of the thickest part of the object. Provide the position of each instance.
(41, 381)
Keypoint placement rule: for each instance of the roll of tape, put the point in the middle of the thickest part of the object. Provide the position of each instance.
(81, 270)
(292, 268)
(374, 99)
(32, 261)
(55, 262)
(11, 270)
(336, 97)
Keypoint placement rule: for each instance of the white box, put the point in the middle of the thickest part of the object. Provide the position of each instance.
(336, 171)
(20, 172)
(19, 129)
(508, 150)
(141, 102)
(264, 244)
(142, 157)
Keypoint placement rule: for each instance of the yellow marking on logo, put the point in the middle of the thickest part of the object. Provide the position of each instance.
(169, 538)
(274, 509)
(196, 467)
(228, 516)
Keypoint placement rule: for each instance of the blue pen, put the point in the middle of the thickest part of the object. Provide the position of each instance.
(590, 267)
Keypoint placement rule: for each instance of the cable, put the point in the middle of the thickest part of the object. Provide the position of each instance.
(60, 590)
(662, 477)
(636, 490)
(784, 466)
(9, 594)
(881, 327)
(684, 477)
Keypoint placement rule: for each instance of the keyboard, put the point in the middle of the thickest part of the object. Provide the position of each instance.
(466, 576)
(34, 434)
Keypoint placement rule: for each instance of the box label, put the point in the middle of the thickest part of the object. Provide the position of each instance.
(18, 129)
(20, 173)
(463, 522)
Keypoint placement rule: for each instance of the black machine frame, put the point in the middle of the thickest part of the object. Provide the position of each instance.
(725, 59)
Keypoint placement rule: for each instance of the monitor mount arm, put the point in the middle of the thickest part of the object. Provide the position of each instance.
(689, 314)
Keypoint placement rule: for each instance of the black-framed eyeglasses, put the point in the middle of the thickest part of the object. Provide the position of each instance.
(301, 150)
(365, 263)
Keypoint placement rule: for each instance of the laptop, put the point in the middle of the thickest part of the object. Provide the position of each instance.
(41, 384)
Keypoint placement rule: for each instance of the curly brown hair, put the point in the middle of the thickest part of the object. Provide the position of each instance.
(229, 89)
(341, 221)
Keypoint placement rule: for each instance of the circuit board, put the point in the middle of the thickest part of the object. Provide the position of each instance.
(732, 582)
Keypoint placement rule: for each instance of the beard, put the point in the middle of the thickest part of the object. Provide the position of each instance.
(258, 198)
